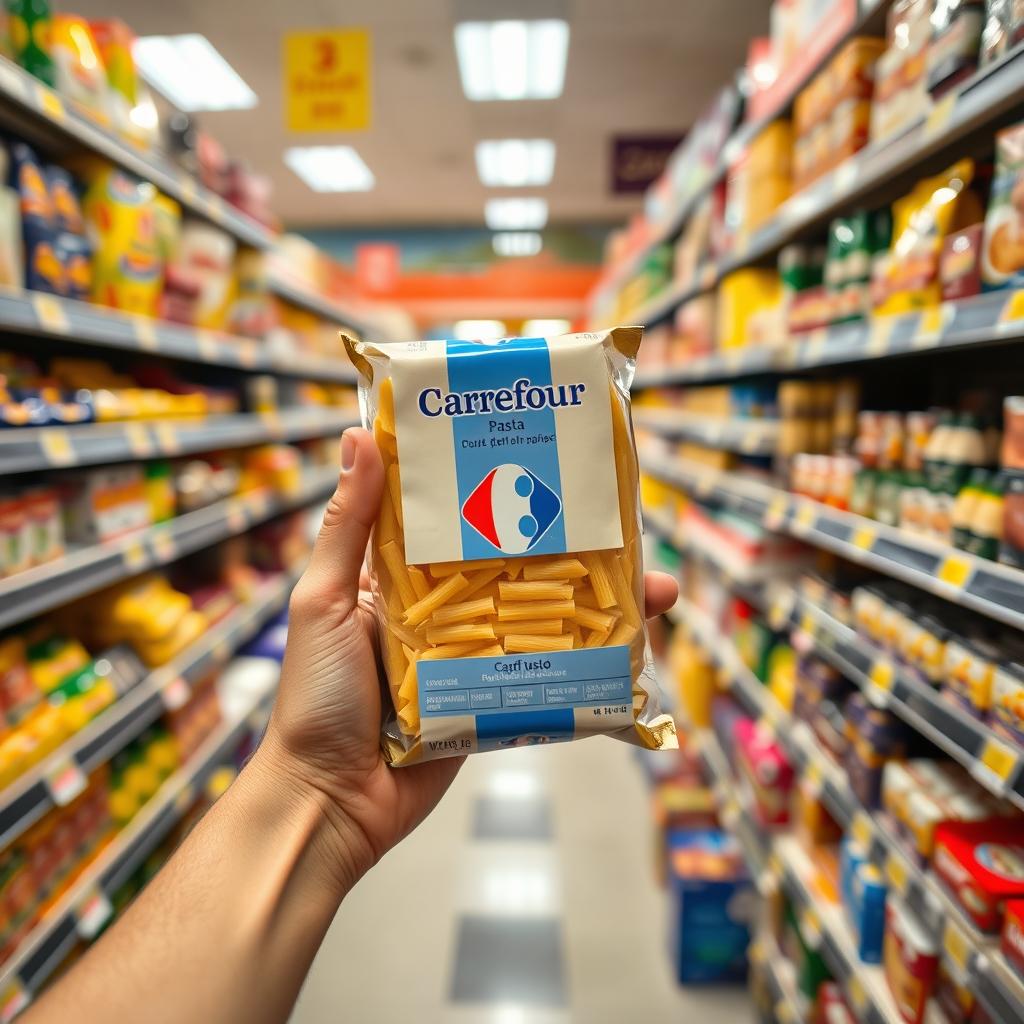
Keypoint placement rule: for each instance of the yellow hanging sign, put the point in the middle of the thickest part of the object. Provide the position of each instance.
(327, 80)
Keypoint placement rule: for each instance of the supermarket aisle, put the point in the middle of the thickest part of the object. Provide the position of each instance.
(528, 898)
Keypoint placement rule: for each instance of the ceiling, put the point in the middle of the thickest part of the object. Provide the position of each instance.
(634, 66)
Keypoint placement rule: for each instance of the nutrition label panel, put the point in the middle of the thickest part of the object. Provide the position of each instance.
(514, 682)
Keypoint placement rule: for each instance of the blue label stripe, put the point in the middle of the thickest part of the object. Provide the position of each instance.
(481, 444)
(525, 695)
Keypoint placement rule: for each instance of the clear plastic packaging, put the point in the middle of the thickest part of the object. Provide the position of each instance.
(522, 637)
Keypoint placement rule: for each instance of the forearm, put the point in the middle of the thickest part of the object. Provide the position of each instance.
(227, 931)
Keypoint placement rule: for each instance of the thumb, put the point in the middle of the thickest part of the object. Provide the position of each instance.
(334, 566)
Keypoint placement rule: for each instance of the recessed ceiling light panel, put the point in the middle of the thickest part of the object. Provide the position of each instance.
(515, 163)
(190, 72)
(330, 168)
(519, 214)
(512, 60)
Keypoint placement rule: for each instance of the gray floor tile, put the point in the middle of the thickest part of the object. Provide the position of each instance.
(509, 959)
(513, 818)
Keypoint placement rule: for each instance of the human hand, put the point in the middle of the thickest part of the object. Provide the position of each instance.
(324, 735)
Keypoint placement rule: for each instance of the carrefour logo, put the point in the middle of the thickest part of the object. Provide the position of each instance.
(512, 508)
(524, 395)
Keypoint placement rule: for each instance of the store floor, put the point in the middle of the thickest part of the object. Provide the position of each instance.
(527, 898)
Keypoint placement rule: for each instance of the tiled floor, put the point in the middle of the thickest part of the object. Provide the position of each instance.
(527, 898)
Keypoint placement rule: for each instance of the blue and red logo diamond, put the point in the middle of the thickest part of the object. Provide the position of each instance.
(512, 508)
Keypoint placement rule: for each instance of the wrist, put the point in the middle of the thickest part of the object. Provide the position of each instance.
(339, 851)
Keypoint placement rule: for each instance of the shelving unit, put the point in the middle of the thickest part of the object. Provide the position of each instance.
(42, 322)
(48, 586)
(994, 590)
(37, 314)
(37, 113)
(751, 437)
(996, 318)
(868, 20)
(985, 756)
(982, 100)
(48, 783)
(28, 450)
(86, 907)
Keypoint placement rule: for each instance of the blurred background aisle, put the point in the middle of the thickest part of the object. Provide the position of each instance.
(528, 898)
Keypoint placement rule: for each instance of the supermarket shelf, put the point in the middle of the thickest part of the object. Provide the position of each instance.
(82, 323)
(734, 808)
(985, 97)
(328, 309)
(83, 911)
(745, 580)
(728, 364)
(56, 779)
(748, 436)
(993, 980)
(990, 319)
(866, 22)
(823, 924)
(781, 977)
(29, 108)
(985, 586)
(80, 572)
(28, 449)
(995, 762)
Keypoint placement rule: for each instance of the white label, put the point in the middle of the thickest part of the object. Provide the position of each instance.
(505, 449)
(65, 782)
(93, 913)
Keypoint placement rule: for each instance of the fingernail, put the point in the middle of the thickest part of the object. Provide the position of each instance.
(348, 452)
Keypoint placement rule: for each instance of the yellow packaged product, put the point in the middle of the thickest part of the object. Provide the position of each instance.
(506, 562)
(743, 296)
(907, 277)
(120, 211)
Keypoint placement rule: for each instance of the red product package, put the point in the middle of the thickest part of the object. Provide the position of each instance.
(982, 863)
(1013, 935)
(911, 962)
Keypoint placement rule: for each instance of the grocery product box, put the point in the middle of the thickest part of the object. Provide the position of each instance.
(712, 903)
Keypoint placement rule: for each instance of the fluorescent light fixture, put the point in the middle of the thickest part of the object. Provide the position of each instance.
(479, 330)
(515, 163)
(512, 60)
(517, 243)
(545, 328)
(330, 168)
(518, 214)
(191, 73)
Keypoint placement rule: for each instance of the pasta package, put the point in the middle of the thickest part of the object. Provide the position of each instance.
(506, 561)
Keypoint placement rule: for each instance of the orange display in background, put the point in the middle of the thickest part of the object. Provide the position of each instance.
(327, 80)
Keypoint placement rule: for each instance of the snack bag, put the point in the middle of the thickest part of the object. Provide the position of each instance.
(506, 561)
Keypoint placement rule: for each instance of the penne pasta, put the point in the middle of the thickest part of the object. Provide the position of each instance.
(591, 618)
(441, 569)
(461, 632)
(419, 611)
(555, 569)
(523, 611)
(463, 611)
(518, 643)
(537, 627)
(600, 579)
(521, 590)
(480, 581)
(419, 581)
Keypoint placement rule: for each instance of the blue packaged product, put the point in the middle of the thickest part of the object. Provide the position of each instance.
(43, 269)
(852, 856)
(74, 253)
(869, 920)
(712, 903)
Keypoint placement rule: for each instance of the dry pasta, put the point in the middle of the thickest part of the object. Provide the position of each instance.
(506, 560)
